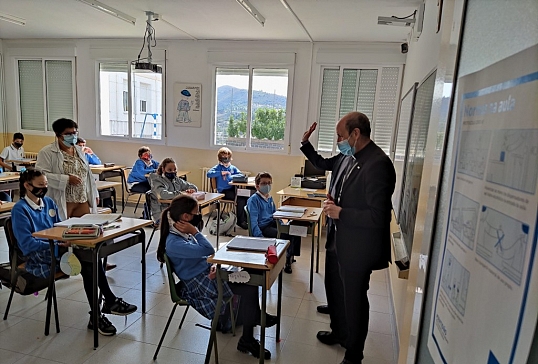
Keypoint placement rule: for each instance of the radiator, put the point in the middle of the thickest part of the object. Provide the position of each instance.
(30, 155)
(206, 184)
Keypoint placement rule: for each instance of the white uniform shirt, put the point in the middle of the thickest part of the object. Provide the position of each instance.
(12, 153)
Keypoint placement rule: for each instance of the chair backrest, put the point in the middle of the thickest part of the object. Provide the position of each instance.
(213, 184)
(172, 284)
(247, 214)
(126, 172)
(15, 254)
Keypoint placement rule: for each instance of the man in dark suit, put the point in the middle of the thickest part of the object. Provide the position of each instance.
(361, 209)
(333, 284)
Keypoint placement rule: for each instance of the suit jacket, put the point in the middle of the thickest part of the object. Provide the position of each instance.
(327, 164)
(363, 229)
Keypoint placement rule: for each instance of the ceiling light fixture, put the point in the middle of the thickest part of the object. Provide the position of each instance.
(110, 11)
(252, 11)
(13, 19)
(288, 7)
(149, 37)
(399, 22)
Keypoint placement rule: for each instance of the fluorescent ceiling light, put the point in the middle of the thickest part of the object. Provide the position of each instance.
(109, 10)
(252, 11)
(13, 19)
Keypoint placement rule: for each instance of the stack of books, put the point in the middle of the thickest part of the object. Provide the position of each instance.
(289, 212)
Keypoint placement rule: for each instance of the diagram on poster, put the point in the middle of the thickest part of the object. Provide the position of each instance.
(514, 159)
(502, 241)
(463, 219)
(473, 152)
(455, 282)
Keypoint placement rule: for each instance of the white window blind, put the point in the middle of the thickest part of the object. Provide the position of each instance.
(59, 83)
(32, 102)
(349, 89)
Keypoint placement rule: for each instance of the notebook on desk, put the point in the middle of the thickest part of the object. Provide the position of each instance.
(250, 243)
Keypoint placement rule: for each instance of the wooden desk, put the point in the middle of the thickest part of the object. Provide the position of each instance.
(5, 211)
(114, 171)
(249, 184)
(27, 162)
(210, 198)
(312, 216)
(99, 169)
(267, 275)
(299, 197)
(9, 181)
(130, 232)
(108, 189)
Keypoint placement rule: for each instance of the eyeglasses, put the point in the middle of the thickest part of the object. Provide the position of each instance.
(266, 183)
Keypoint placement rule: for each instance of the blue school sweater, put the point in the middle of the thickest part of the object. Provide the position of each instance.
(26, 221)
(223, 183)
(188, 256)
(261, 212)
(140, 169)
(93, 159)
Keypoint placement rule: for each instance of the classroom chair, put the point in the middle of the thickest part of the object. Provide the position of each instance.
(126, 172)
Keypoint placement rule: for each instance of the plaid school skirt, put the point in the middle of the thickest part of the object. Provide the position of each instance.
(202, 294)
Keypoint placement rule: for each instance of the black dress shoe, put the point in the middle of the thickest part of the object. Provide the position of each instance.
(270, 320)
(324, 309)
(328, 338)
(252, 346)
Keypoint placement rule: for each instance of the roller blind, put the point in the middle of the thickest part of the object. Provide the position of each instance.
(32, 102)
(328, 111)
(59, 84)
(386, 108)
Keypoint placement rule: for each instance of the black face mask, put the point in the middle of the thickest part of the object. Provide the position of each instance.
(170, 175)
(196, 220)
(225, 160)
(17, 145)
(39, 192)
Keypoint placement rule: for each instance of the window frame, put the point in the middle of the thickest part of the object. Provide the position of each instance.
(130, 104)
(43, 60)
(289, 104)
(341, 67)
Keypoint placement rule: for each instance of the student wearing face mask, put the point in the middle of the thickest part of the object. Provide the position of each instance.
(13, 151)
(145, 164)
(165, 185)
(35, 212)
(223, 172)
(261, 208)
(188, 249)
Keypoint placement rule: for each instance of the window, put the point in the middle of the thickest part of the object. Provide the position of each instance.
(349, 89)
(130, 102)
(251, 108)
(46, 92)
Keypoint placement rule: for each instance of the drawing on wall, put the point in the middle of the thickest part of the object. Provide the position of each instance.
(502, 241)
(473, 152)
(188, 102)
(513, 160)
(455, 282)
(463, 219)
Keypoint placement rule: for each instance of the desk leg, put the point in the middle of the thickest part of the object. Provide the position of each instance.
(218, 223)
(317, 251)
(279, 307)
(143, 244)
(312, 260)
(213, 335)
(95, 299)
(51, 294)
(262, 320)
(114, 207)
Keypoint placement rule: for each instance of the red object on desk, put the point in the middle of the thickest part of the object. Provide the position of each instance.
(271, 255)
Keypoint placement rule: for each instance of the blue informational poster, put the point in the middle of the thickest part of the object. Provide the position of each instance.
(486, 293)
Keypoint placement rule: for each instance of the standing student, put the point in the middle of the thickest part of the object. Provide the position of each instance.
(12, 152)
(35, 212)
(261, 208)
(91, 157)
(145, 164)
(223, 172)
(71, 183)
(334, 289)
(361, 209)
(165, 185)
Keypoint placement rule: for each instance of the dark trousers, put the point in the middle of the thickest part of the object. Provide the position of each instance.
(270, 231)
(334, 289)
(356, 283)
(229, 194)
(87, 277)
(249, 307)
(141, 187)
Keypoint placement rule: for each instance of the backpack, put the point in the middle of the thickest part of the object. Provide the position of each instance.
(226, 225)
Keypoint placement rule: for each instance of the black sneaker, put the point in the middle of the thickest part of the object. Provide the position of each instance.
(287, 269)
(105, 327)
(119, 307)
(252, 346)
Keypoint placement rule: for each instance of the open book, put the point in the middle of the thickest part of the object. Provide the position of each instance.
(287, 214)
(292, 208)
(90, 219)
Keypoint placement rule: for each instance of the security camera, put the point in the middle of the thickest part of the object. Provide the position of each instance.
(404, 47)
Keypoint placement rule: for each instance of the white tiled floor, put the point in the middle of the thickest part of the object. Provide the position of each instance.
(22, 339)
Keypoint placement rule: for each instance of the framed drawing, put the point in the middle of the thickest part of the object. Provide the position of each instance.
(188, 104)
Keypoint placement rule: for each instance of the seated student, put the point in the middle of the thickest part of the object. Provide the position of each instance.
(223, 172)
(137, 180)
(188, 250)
(12, 152)
(165, 184)
(261, 208)
(91, 157)
(35, 212)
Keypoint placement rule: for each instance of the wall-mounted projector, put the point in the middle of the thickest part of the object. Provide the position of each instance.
(146, 67)
(391, 20)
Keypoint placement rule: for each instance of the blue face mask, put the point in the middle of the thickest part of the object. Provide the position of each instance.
(70, 140)
(345, 148)
(265, 189)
